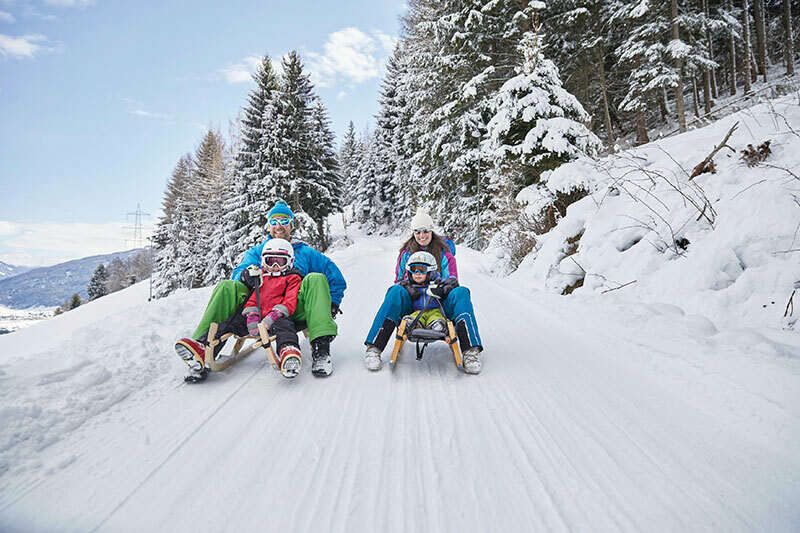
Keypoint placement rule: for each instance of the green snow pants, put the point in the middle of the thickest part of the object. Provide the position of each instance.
(313, 306)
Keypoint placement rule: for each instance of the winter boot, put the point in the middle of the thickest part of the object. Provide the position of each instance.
(321, 356)
(472, 360)
(290, 361)
(372, 359)
(193, 354)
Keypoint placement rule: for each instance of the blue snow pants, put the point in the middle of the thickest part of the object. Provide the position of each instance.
(457, 307)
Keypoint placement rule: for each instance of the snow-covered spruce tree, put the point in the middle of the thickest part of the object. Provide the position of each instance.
(348, 164)
(97, 285)
(299, 146)
(367, 200)
(392, 200)
(464, 47)
(251, 190)
(323, 176)
(204, 198)
(537, 126)
(169, 237)
(219, 263)
(578, 38)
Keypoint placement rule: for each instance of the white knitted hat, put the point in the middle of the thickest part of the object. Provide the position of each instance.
(421, 220)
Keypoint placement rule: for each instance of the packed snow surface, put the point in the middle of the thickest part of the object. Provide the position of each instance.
(588, 415)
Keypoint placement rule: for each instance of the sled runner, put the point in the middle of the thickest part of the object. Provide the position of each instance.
(221, 362)
(422, 337)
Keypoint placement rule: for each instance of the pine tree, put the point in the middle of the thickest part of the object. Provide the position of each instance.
(348, 164)
(208, 185)
(97, 285)
(367, 200)
(75, 301)
(251, 190)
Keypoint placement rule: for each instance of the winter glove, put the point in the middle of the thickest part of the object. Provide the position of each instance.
(335, 310)
(251, 277)
(271, 317)
(443, 288)
(252, 324)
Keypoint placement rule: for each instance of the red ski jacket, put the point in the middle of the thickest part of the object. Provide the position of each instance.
(277, 292)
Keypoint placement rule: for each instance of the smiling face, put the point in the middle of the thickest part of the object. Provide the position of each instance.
(281, 232)
(419, 277)
(423, 236)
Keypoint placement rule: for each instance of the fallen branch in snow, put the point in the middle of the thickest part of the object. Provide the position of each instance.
(787, 251)
(621, 286)
(703, 166)
(748, 187)
(792, 174)
(789, 305)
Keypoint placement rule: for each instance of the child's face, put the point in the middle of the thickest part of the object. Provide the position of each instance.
(419, 277)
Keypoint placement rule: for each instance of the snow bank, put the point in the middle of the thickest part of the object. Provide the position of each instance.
(718, 245)
(49, 385)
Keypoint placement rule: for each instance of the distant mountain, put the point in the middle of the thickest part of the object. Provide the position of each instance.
(8, 271)
(51, 286)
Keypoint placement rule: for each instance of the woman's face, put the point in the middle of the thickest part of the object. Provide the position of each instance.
(423, 237)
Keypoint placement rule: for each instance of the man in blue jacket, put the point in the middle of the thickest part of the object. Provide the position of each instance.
(321, 293)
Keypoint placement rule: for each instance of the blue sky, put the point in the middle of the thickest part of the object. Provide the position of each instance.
(98, 100)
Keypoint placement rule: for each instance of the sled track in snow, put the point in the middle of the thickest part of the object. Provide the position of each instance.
(175, 450)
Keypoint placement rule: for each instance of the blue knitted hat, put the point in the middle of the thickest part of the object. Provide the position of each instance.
(280, 209)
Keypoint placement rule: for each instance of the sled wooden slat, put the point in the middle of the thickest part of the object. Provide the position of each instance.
(400, 339)
(224, 361)
(452, 340)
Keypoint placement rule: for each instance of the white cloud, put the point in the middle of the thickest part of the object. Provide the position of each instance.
(69, 3)
(18, 47)
(137, 108)
(241, 72)
(40, 244)
(349, 55)
(6, 17)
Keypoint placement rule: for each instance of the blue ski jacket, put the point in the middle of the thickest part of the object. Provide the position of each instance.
(306, 260)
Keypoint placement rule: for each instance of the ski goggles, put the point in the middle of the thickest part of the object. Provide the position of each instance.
(276, 260)
(422, 230)
(279, 221)
(418, 269)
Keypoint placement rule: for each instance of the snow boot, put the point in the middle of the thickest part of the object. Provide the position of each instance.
(472, 360)
(321, 356)
(290, 361)
(372, 359)
(193, 354)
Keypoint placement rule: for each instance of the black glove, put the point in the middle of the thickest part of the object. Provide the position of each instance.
(251, 276)
(443, 288)
(335, 310)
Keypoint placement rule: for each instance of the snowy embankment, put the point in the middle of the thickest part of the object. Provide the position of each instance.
(589, 415)
(723, 245)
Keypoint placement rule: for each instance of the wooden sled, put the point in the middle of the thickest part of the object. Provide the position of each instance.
(224, 361)
(422, 337)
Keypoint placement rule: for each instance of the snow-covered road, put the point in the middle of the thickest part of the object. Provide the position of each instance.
(590, 415)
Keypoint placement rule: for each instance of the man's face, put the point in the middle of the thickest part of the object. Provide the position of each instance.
(279, 231)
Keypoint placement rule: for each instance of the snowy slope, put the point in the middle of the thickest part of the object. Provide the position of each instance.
(588, 416)
(723, 245)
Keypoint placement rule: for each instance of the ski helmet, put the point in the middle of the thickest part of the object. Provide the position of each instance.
(277, 252)
(421, 262)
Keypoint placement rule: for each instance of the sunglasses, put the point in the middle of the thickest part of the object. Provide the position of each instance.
(276, 260)
(422, 230)
(280, 221)
(418, 269)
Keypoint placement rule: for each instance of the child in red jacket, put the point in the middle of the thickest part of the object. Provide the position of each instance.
(275, 301)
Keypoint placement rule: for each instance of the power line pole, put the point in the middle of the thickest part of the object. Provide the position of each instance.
(138, 236)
